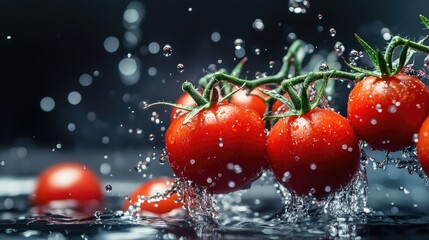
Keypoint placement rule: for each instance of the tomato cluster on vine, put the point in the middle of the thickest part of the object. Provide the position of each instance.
(223, 145)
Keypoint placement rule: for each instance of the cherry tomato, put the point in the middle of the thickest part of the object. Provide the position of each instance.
(222, 148)
(152, 188)
(387, 112)
(185, 100)
(254, 100)
(68, 181)
(315, 153)
(423, 146)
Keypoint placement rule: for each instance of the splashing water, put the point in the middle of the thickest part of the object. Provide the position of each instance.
(298, 6)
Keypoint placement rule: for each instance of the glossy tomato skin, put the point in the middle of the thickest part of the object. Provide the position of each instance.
(423, 146)
(185, 100)
(68, 181)
(254, 100)
(387, 112)
(151, 188)
(316, 153)
(222, 149)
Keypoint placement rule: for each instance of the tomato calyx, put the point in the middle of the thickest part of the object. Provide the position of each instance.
(298, 104)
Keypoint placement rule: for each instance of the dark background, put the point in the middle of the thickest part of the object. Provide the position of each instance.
(52, 43)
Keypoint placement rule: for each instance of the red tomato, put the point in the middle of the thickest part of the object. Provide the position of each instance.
(152, 188)
(254, 100)
(423, 146)
(185, 100)
(387, 112)
(68, 181)
(316, 153)
(221, 148)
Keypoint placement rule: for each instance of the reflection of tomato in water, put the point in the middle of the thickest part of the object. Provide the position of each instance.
(387, 112)
(68, 183)
(315, 153)
(221, 148)
(152, 188)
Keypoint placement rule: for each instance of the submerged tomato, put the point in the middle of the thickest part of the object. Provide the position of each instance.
(387, 112)
(221, 148)
(72, 183)
(152, 188)
(423, 146)
(185, 100)
(316, 153)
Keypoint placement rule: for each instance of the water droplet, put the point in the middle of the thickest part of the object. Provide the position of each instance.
(332, 32)
(155, 118)
(392, 109)
(97, 214)
(9, 37)
(339, 48)
(286, 176)
(373, 121)
(108, 188)
(354, 55)
(323, 67)
(163, 157)
(140, 166)
(192, 161)
(320, 16)
(328, 189)
(180, 67)
(220, 142)
(238, 43)
(167, 50)
(209, 180)
(271, 64)
(231, 184)
(344, 146)
(313, 166)
(258, 25)
(298, 6)
(2, 163)
(151, 137)
(258, 52)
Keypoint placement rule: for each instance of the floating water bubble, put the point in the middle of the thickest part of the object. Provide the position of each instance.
(291, 37)
(354, 55)
(323, 67)
(258, 25)
(155, 118)
(8, 37)
(105, 168)
(2, 163)
(320, 16)
(332, 32)
(339, 48)
(271, 64)
(151, 137)
(215, 37)
(385, 32)
(167, 50)
(91, 116)
(129, 70)
(140, 166)
(258, 52)
(74, 98)
(47, 104)
(190, 9)
(153, 47)
(238, 44)
(240, 53)
(111, 44)
(298, 6)
(180, 67)
(85, 80)
(108, 188)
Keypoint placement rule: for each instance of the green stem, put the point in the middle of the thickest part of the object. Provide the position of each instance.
(208, 88)
(320, 75)
(399, 41)
(187, 87)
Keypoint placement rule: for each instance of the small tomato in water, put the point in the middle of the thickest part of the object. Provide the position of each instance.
(387, 112)
(222, 148)
(72, 183)
(316, 153)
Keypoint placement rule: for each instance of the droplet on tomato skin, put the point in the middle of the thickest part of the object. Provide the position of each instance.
(313, 166)
(231, 184)
(286, 176)
(328, 189)
(220, 142)
(378, 108)
(209, 180)
(391, 109)
(344, 146)
(373, 121)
